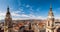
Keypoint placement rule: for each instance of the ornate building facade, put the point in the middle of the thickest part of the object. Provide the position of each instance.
(51, 25)
(8, 22)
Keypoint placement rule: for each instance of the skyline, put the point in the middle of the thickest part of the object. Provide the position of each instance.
(29, 9)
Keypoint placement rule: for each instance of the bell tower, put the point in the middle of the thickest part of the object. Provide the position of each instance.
(8, 21)
(50, 21)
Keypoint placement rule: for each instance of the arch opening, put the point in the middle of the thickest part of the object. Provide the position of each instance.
(58, 30)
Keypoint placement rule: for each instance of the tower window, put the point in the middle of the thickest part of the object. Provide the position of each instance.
(52, 24)
(48, 31)
(48, 23)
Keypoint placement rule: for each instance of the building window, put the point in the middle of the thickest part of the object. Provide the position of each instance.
(52, 24)
(48, 23)
(48, 31)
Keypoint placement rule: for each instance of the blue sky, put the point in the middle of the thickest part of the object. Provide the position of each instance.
(29, 9)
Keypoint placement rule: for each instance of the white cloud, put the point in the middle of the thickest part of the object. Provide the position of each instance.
(56, 13)
(27, 6)
(2, 14)
(36, 17)
(16, 16)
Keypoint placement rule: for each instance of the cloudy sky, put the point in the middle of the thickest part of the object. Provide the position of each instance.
(29, 9)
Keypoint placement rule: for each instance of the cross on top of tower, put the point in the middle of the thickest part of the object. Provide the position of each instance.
(50, 5)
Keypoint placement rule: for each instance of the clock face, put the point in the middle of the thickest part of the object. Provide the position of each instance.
(50, 17)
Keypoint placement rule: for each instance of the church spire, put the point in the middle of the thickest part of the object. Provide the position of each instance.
(50, 7)
(8, 12)
(50, 12)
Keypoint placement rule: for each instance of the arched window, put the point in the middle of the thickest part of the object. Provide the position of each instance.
(48, 23)
(48, 31)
